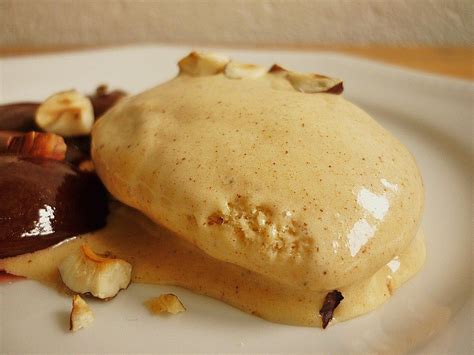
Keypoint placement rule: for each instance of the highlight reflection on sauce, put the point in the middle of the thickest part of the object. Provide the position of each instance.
(43, 226)
(394, 264)
(44, 202)
(360, 235)
(374, 205)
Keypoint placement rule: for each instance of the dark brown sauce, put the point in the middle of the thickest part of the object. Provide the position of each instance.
(44, 202)
(103, 100)
(78, 149)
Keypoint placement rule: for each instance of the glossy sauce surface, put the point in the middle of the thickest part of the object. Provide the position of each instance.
(159, 257)
(45, 201)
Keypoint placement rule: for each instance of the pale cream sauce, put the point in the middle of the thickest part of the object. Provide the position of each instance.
(159, 257)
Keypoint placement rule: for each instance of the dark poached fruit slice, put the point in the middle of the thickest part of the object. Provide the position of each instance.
(45, 201)
(18, 116)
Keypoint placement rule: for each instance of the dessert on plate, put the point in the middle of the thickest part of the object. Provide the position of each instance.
(262, 188)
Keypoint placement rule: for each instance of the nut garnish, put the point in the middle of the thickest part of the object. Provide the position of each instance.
(87, 272)
(202, 64)
(277, 69)
(234, 70)
(67, 113)
(314, 83)
(81, 314)
(165, 303)
(37, 144)
(308, 82)
(331, 301)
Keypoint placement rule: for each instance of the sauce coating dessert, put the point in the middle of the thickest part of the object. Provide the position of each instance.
(304, 188)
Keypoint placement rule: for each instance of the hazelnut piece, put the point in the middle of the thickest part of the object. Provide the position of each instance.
(81, 314)
(67, 113)
(202, 64)
(165, 303)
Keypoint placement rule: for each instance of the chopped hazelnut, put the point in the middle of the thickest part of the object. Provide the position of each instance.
(314, 83)
(81, 314)
(67, 113)
(165, 303)
(234, 70)
(201, 64)
(86, 272)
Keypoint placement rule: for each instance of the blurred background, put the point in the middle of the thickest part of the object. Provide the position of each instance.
(434, 27)
(244, 22)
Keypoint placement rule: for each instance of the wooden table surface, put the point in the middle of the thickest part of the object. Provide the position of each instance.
(456, 62)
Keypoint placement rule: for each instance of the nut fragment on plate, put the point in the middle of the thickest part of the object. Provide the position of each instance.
(165, 303)
(67, 113)
(202, 64)
(86, 272)
(331, 301)
(37, 144)
(234, 70)
(81, 314)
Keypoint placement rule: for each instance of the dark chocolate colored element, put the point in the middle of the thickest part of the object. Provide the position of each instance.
(45, 201)
(331, 301)
(103, 100)
(338, 89)
(18, 116)
(78, 149)
(6, 138)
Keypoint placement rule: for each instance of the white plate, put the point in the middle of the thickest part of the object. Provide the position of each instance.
(431, 314)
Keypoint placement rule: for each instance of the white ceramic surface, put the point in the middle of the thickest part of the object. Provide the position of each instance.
(431, 314)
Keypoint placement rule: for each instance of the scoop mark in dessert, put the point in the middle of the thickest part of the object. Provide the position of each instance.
(277, 232)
